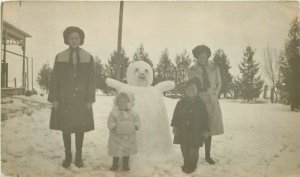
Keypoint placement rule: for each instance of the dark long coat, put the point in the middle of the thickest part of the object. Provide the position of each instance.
(191, 119)
(72, 87)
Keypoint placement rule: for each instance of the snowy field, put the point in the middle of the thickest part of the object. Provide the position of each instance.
(260, 140)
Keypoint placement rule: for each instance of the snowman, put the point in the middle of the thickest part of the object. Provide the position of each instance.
(154, 135)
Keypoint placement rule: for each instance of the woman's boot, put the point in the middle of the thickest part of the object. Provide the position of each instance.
(208, 159)
(68, 153)
(78, 157)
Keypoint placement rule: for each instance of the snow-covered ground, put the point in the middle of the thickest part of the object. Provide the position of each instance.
(260, 140)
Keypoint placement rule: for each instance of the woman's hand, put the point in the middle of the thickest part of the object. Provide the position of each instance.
(55, 105)
(204, 135)
(175, 130)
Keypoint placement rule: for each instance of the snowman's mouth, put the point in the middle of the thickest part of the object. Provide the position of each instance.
(142, 77)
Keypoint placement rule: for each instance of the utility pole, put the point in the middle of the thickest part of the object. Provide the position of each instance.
(118, 62)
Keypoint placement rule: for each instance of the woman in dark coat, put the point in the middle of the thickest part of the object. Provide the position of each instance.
(72, 93)
(190, 125)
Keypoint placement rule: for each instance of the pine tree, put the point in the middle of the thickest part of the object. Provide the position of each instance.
(165, 69)
(124, 65)
(182, 63)
(43, 77)
(250, 84)
(220, 59)
(292, 51)
(100, 74)
(110, 69)
(283, 78)
(141, 55)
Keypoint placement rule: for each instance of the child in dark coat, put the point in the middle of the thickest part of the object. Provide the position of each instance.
(190, 125)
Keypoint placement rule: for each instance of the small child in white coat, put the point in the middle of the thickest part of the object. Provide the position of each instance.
(122, 122)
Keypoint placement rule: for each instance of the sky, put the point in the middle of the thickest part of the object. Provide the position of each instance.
(175, 25)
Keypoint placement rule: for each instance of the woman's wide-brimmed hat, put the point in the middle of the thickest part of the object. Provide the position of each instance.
(200, 49)
(70, 30)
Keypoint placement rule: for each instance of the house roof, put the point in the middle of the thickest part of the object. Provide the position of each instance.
(13, 33)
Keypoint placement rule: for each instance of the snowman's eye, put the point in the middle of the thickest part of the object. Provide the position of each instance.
(136, 69)
(146, 70)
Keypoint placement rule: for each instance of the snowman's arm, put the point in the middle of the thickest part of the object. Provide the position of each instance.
(165, 86)
(114, 83)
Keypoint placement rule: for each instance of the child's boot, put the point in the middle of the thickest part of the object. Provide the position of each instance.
(115, 164)
(126, 163)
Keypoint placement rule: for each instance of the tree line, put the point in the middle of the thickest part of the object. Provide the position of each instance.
(281, 71)
(166, 69)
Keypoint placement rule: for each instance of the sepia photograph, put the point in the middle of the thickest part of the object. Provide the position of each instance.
(150, 88)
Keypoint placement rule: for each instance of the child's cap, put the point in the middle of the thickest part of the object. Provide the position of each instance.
(196, 81)
(129, 96)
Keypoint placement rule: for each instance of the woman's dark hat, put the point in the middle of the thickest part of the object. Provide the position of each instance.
(200, 49)
(70, 30)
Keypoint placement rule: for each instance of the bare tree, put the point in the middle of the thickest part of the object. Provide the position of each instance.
(271, 67)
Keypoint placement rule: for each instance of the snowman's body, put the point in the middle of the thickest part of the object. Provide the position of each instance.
(154, 134)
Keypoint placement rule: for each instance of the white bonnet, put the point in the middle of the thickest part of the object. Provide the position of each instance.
(131, 97)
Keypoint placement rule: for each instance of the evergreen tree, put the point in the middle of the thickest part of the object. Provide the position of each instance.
(100, 74)
(141, 55)
(112, 62)
(165, 69)
(182, 63)
(292, 51)
(283, 78)
(110, 69)
(250, 84)
(43, 77)
(220, 59)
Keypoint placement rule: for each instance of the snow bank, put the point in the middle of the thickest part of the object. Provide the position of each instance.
(260, 140)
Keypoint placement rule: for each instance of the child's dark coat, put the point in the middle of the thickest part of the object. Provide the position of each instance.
(191, 119)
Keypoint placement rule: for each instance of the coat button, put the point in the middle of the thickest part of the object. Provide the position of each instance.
(74, 94)
(76, 88)
(75, 75)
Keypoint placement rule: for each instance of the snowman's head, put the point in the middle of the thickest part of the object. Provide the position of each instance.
(139, 73)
